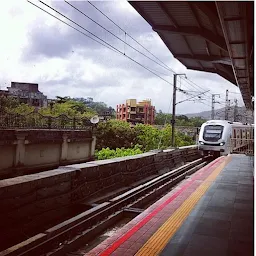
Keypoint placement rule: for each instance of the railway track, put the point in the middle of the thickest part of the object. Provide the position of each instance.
(69, 235)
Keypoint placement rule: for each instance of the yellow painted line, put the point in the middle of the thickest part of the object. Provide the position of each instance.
(159, 240)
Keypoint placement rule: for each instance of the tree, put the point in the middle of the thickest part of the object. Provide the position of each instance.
(181, 120)
(99, 107)
(70, 108)
(115, 134)
(12, 105)
(7, 103)
(23, 109)
(118, 134)
(147, 136)
(162, 118)
(197, 121)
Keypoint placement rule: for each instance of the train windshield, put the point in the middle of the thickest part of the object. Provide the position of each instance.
(213, 132)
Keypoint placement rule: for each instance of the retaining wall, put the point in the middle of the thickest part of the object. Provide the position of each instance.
(28, 151)
(32, 201)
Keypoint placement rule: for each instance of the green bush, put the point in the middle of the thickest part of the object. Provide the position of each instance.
(107, 153)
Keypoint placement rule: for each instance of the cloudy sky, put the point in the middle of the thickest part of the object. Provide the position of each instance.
(38, 48)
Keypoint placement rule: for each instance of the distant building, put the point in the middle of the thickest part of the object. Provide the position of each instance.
(106, 115)
(27, 93)
(136, 112)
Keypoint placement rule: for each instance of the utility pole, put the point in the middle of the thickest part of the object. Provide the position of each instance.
(174, 104)
(235, 111)
(213, 103)
(226, 107)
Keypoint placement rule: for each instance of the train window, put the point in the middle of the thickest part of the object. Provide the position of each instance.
(212, 132)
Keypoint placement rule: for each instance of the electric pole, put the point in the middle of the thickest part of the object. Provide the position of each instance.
(213, 103)
(235, 111)
(174, 104)
(226, 107)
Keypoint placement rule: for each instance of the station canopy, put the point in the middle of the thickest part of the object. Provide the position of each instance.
(214, 37)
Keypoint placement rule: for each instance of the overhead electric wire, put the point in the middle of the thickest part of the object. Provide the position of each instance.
(112, 33)
(195, 85)
(193, 97)
(69, 25)
(112, 47)
(166, 66)
(131, 36)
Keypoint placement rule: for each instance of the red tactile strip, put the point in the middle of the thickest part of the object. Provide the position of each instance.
(129, 239)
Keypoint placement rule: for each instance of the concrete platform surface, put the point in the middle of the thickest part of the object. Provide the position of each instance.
(210, 213)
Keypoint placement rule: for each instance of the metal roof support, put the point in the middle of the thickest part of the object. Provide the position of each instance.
(223, 68)
(219, 10)
(193, 9)
(172, 20)
(246, 48)
(191, 52)
(213, 70)
(226, 39)
(206, 34)
(202, 57)
(208, 11)
(237, 42)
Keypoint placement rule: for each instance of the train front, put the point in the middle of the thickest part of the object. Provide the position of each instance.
(213, 138)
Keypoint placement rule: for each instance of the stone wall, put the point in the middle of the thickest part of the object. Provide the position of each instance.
(25, 151)
(32, 201)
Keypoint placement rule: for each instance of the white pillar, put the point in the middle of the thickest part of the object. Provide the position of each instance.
(20, 149)
(93, 145)
(64, 148)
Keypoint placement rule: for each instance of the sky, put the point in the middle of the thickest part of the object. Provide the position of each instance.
(37, 48)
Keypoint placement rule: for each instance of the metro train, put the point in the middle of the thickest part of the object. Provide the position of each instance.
(218, 137)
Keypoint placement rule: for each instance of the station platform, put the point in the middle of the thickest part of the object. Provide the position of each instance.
(210, 213)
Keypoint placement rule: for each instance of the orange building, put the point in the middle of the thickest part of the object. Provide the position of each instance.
(136, 112)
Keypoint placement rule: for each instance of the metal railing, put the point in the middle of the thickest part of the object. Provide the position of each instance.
(242, 146)
(35, 120)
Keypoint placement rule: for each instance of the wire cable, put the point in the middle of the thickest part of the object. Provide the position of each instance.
(108, 45)
(166, 66)
(113, 34)
(131, 36)
(190, 82)
(69, 25)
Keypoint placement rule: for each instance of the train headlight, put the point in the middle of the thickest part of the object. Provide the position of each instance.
(201, 142)
(222, 143)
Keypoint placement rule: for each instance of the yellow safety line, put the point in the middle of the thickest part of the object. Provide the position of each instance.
(159, 240)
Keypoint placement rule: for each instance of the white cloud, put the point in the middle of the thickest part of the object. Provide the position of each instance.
(99, 72)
